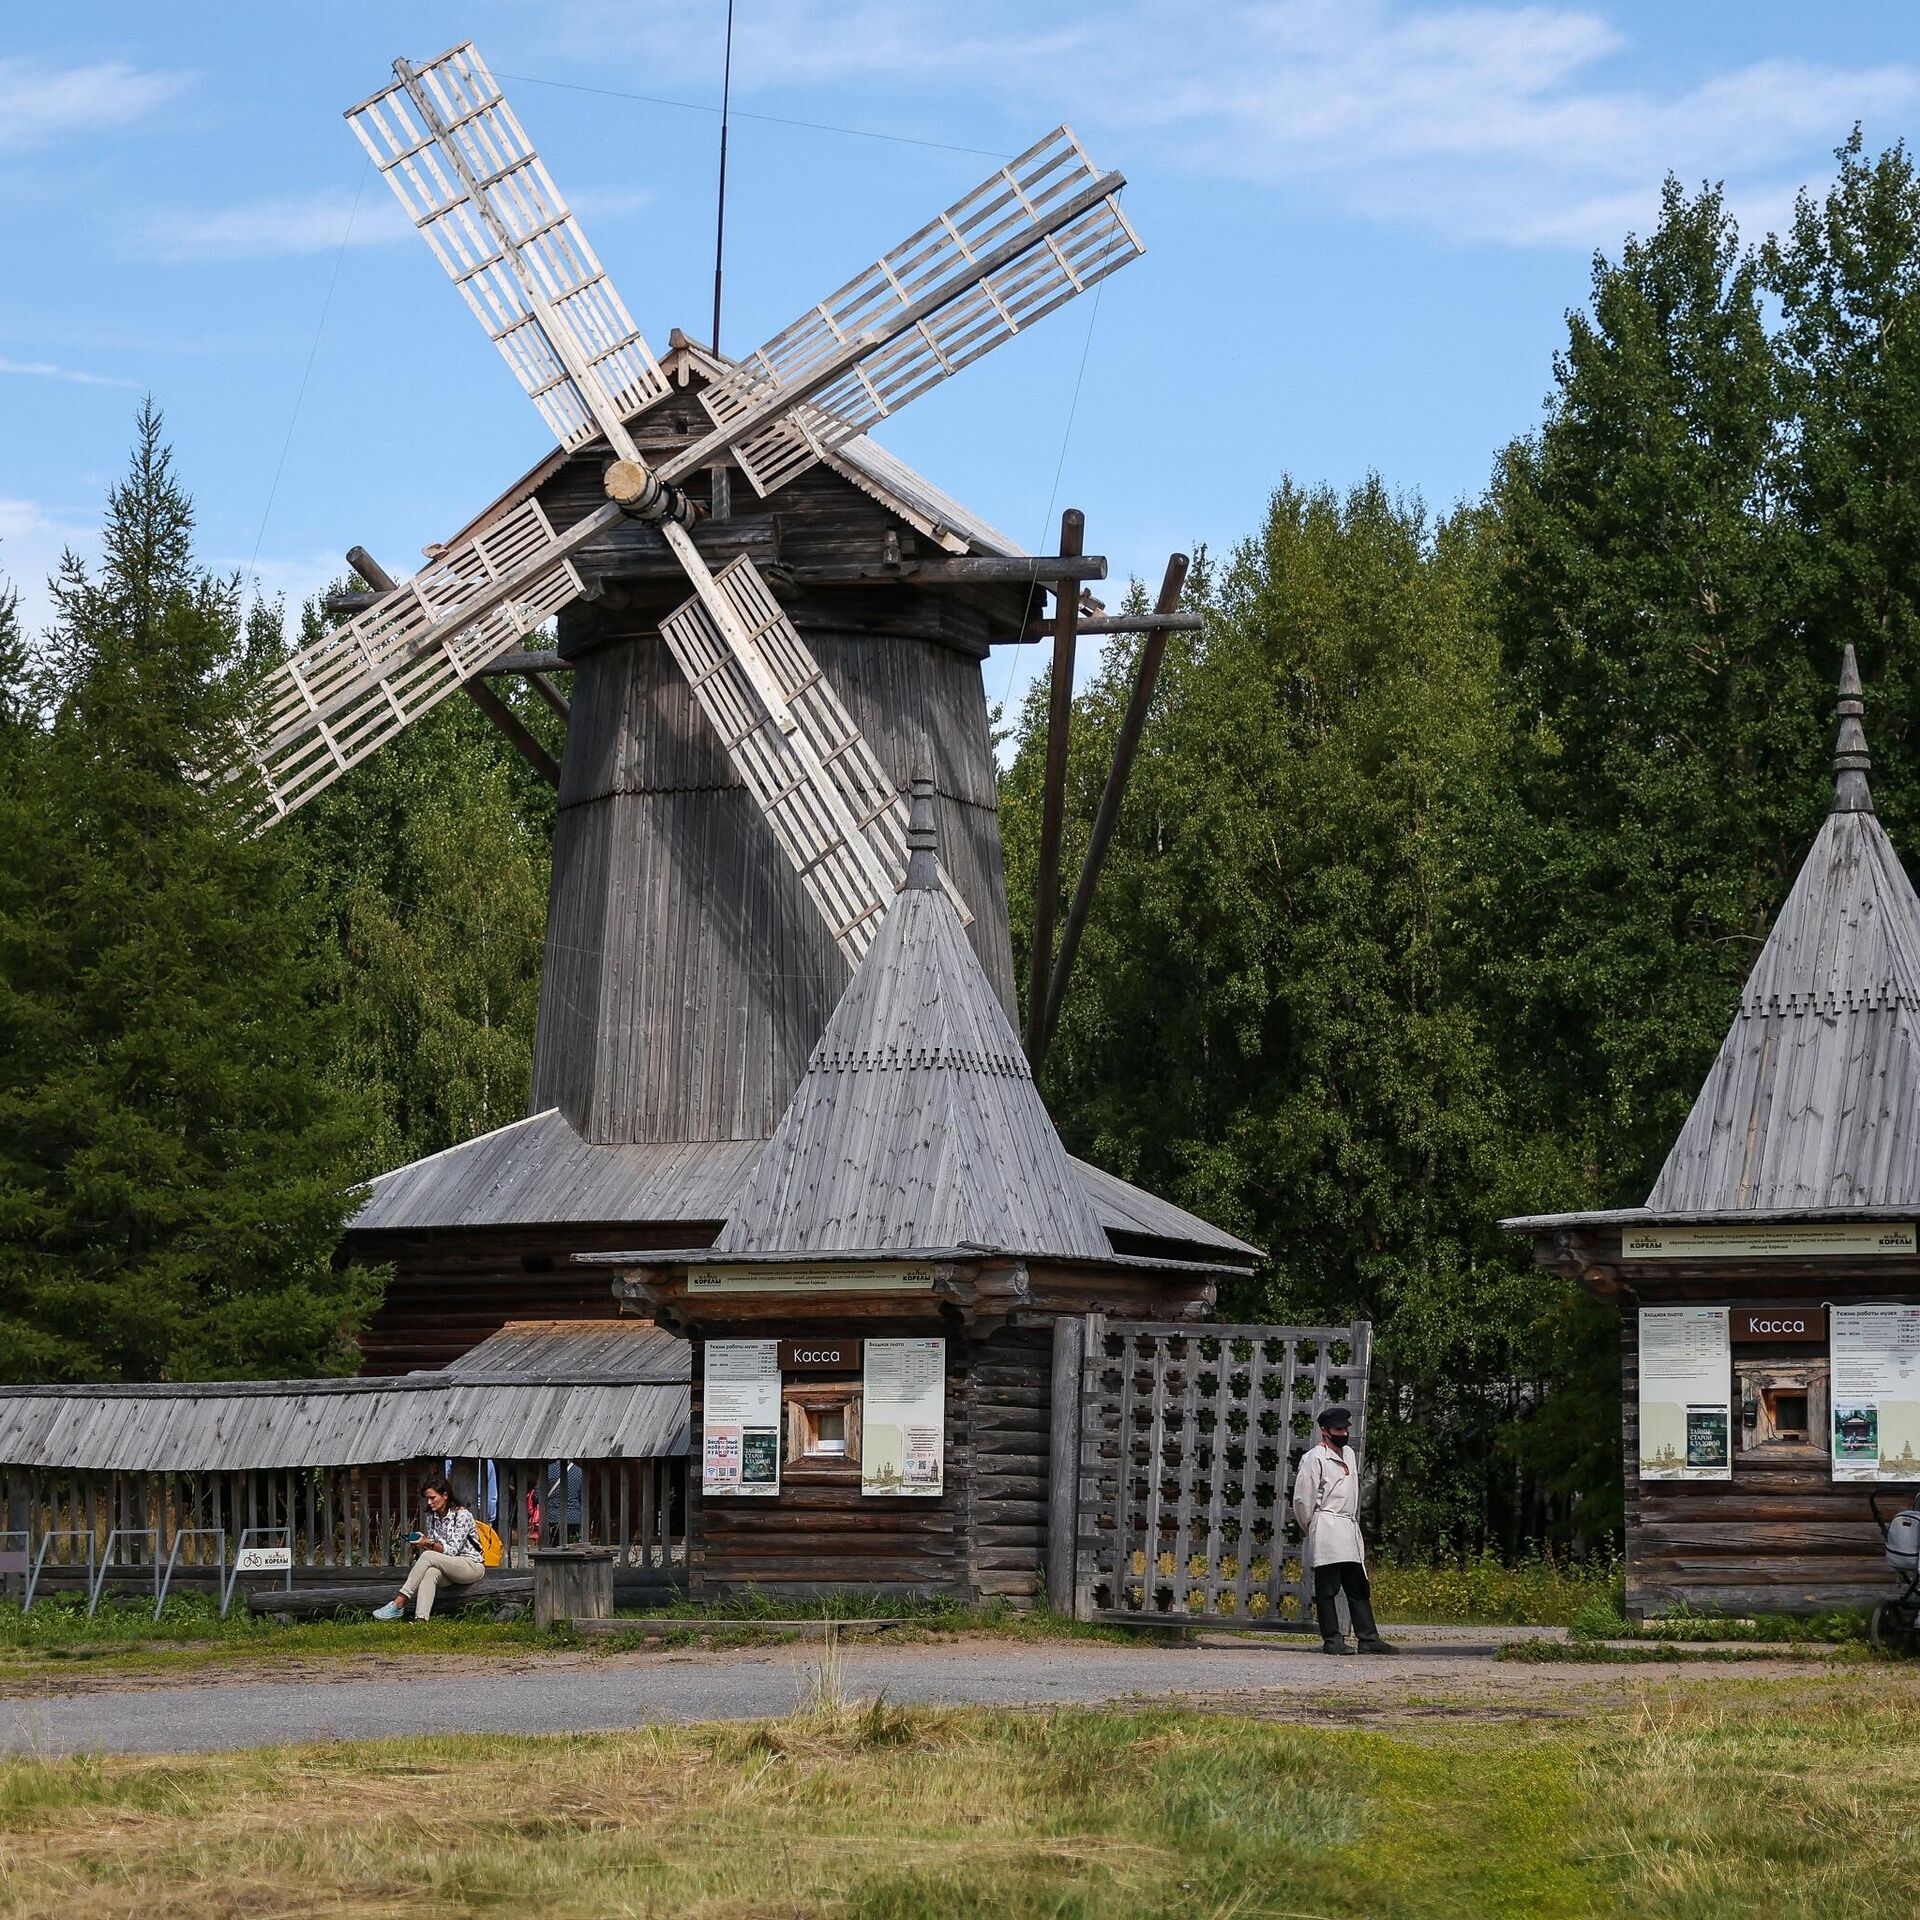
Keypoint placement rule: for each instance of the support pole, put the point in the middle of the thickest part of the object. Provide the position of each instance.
(1053, 796)
(1115, 792)
(503, 716)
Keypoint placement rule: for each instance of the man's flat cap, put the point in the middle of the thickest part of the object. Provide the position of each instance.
(1337, 1417)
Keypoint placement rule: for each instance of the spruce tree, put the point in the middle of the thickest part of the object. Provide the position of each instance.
(1847, 276)
(428, 867)
(1664, 715)
(174, 1154)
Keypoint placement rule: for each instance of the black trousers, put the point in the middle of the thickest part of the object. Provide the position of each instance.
(1350, 1577)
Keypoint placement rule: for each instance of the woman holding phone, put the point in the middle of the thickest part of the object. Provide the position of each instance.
(448, 1548)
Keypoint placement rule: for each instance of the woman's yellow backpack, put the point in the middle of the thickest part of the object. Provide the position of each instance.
(491, 1552)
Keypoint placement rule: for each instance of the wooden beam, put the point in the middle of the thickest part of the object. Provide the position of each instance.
(1111, 623)
(1107, 818)
(1017, 571)
(1053, 791)
(527, 663)
(503, 716)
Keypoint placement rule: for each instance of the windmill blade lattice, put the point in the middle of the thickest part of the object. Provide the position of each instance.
(850, 879)
(1044, 228)
(329, 705)
(459, 162)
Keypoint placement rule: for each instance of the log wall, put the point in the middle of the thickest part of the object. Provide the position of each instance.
(983, 1538)
(453, 1288)
(1779, 1537)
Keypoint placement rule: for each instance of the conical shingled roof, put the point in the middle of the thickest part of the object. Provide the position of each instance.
(917, 1124)
(1814, 1100)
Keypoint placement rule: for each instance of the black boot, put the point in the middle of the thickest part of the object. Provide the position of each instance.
(1334, 1646)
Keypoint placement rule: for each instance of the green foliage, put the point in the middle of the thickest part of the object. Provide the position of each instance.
(1450, 845)
(173, 1149)
(1531, 1589)
(428, 867)
(1276, 1018)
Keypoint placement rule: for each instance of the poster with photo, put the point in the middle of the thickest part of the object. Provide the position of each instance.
(904, 1419)
(740, 1418)
(1875, 1392)
(1686, 1394)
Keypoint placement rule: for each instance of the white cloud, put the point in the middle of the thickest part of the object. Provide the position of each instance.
(293, 578)
(320, 223)
(1503, 123)
(1489, 124)
(275, 228)
(46, 370)
(41, 103)
(32, 539)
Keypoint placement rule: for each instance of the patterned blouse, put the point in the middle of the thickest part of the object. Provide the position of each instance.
(453, 1533)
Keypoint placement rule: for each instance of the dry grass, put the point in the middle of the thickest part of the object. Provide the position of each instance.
(1796, 1801)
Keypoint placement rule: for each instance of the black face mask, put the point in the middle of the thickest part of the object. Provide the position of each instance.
(1334, 1439)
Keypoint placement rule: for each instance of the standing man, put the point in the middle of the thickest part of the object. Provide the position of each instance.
(1326, 1502)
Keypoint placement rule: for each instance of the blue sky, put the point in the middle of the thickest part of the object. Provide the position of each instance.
(1364, 223)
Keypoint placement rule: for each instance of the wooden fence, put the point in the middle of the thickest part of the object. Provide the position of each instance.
(339, 1518)
(1188, 1439)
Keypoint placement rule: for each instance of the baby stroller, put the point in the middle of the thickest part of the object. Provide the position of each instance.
(1895, 1626)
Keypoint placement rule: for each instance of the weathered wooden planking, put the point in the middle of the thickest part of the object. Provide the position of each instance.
(1780, 1536)
(823, 1535)
(686, 975)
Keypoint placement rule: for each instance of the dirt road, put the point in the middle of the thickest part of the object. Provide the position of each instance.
(1440, 1674)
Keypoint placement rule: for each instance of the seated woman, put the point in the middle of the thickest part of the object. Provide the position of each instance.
(449, 1549)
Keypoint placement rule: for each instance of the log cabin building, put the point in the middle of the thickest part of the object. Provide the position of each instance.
(902, 1277)
(687, 976)
(1769, 1345)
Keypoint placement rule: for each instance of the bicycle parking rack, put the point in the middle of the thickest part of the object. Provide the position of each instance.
(40, 1559)
(98, 1580)
(14, 1561)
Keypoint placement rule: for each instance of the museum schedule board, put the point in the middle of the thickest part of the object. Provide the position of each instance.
(1875, 1394)
(740, 1419)
(1686, 1394)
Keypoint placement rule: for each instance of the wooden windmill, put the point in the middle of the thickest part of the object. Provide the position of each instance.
(730, 827)
(1040, 230)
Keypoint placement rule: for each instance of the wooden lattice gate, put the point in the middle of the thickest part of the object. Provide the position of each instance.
(1188, 1436)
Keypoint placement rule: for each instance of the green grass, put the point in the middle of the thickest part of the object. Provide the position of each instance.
(1536, 1591)
(1798, 1801)
(123, 1632)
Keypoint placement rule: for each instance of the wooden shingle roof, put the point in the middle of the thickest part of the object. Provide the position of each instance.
(1812, 1106)
(1814, 1100)
(536, 1391)
(917, 1124)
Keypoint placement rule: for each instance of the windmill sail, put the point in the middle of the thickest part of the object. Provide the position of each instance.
(841, 822)
(1044, 228)
(1040, 230)
(456, 157)
(329, 705)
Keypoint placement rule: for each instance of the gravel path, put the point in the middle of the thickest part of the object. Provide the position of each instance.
(1437, 1674)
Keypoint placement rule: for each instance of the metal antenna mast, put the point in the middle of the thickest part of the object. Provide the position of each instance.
(720, 214)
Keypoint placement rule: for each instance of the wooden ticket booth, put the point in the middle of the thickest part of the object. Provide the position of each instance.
(874, 1330)
(1770, 1287)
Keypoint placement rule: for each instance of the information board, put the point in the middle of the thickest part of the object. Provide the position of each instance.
(903, 1421)
(263, 1559)
(740, 1418)
(1686, 1394)
(1876, 1392)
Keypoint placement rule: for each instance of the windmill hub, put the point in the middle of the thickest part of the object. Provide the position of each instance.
(642, 495)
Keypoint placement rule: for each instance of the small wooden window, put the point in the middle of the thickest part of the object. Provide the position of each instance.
(1783, 1406)
(823, 1426)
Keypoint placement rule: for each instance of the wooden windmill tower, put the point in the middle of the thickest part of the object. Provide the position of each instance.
(731, 827)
